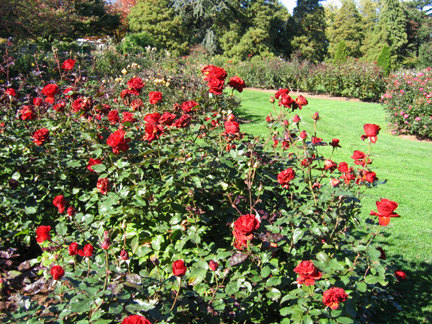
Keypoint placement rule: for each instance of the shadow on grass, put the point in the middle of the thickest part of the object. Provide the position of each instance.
(246, 117)
(413, 295)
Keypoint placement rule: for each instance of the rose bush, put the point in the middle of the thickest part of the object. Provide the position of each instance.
(408, 103)
(177, 215)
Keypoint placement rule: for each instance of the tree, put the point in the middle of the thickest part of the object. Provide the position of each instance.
(308, 29)
(347, 27)
(384, 59)
(159, 19)
(55, 19)
(369, 13)
(341, 53)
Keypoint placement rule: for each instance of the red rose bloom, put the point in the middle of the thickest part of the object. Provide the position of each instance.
(386, 210)
(73, 248)
(330, 165)
(128, 117)
(102, 185)
(92, 162)
(136, 319)
(179, 268)
(335, 143)
(183, 121)
(68, 65)
(241, 240)
(50, 91)
(281, 92)
(232, 127)
(237, 83)
(124, 255)
(216, 86)
(296, 119)
(213, 265)
(303, 135)
(301, 101)
(136, 104)
(360, 158)
(11, 92)
(27, 113)
(155, 97)
(87, 251)
(59, 106)
(113, 117)
(308, 273)
(42, 233)
(60, 203)
(213, 72)
(135, 83)
(285, 177)
(400, 275)
(152, 118)
(70, 211)
(188, 105)
(246, 224)
(286, 101)
(57, 272)
(117, 141)
(371, 131)
(40, 136)
(334, 296)
(167, 118)
(37, 101)
(77, 105)
(152, 132)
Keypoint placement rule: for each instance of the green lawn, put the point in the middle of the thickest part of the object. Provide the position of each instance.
(407, 167)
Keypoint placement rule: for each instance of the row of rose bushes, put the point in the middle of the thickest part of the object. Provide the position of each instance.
(148, 201)
(408, 103)
(353, 78)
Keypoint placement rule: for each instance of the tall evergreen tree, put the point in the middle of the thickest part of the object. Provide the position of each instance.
(158, 18)
(369, 13)
(308, 29)
(347, 27)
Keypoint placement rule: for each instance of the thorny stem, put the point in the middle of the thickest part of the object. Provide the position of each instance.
(107, 270)
(178, 291)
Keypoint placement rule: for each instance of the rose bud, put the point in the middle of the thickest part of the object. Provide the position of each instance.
(124, 255)
(179, 268)
(213, 265)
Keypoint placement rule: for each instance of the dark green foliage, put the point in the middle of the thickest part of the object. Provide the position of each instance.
(137, 42)
(341, 53)
(385, 60)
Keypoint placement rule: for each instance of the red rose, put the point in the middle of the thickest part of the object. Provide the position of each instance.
(102, 185)
(334, 296)
(66, 91)
(117, 141)
(386, 210)
(40, 136)
(92, 162)
(370, 176)
(57, 272)
(188, 105)
(316, 116)
(42, 233)
(167, 118)
(136, 104)
(296, 119)
(308, 273)
(27, 113)
(152, 132)
(241, 240)
(183, 121)
(237, 83)
(152, 118)
(87, 251)
(155, 97)
(246, 224)
(301, 101)
(73, 248)
(37, 101)
(216, 85)
(335, 143)
(124, 255)
(60, 203)
(212, 71)
(77, 105)
(343, 167)
(213, 265)
(59, 106)
(400, 275)
(371, 131)
(330, 165)
(232, 127)
(50, 91)
(135, 83)
(70, 211)
(68, 64)
(285, 177)
(303, 135)
(281, 92)
(113, 117)
(360, 158)
(136, 319)
(316, 140)
(179, 268)
(286, 101)
(11, 92)
(128, 117)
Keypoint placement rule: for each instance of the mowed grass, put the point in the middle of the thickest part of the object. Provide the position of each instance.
(405, 164)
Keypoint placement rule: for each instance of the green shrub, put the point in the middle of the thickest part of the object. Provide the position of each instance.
(137, 43)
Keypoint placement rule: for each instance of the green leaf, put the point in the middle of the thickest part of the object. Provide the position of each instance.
(361, 286)
(323, 257)
(273, 281)
(61, 229)
(285, 311)
(273, 294)
(157, 241)
(197, 275)
(232, 287)
(99, 167)
(265, 271)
